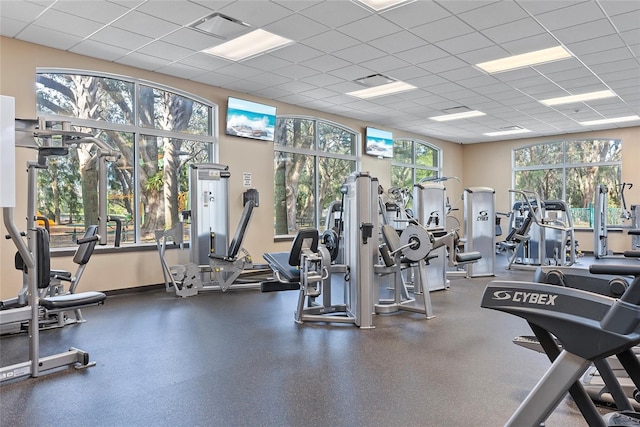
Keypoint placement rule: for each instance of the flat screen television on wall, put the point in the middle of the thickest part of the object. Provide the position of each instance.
(379, 142)
(250, 119)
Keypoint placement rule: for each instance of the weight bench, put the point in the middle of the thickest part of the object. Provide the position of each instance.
(306, 268)
(53, 299)
(228, 267)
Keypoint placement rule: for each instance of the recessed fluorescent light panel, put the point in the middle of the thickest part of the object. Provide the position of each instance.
(382, 90)
(379, 5)
(508, 132)
(591, 96)
(609, 121)
(525, 60)
(457, 116)
(248, 45)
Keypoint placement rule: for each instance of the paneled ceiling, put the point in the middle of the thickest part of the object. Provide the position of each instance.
(432, 45)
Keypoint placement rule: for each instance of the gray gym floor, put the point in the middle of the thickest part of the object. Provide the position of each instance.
(238, 359)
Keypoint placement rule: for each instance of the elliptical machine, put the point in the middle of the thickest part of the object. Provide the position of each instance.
(589, 326)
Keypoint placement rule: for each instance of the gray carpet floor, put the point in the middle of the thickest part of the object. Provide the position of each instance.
(239, 359)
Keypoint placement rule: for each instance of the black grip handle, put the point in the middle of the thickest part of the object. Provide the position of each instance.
(615, 269)
(88, 239)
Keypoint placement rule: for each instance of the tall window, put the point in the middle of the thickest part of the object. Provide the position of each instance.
(156, 130)
(570, 170)
(413, 161)
(312, 158)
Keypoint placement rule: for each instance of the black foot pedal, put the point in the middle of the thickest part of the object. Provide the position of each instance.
(275, 286)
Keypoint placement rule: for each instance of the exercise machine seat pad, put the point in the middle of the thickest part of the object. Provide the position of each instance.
(280, 262)
(468, 256)
(61, 302)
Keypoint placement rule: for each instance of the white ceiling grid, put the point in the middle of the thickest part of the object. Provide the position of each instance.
(429, 44)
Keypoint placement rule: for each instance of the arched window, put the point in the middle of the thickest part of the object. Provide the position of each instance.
(312, 158)
(157, 130)
(570, 170)
(414, 160)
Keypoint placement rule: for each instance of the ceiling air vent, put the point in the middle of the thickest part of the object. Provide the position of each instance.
(374, 80)
(221, 26)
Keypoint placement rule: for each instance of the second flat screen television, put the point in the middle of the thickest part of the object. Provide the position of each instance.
(379, 142)
(250, 119)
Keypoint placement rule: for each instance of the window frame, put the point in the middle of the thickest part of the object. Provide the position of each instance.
(413, 165)
(563, 166)
(212, 139)
(317, 154)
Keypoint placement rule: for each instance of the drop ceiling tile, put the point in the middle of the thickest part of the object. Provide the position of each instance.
(397, 42)
(627, 67)
(266, 62)
(213, 79)
(627, 21)
(330, 41)
(613, 8)
(572, 15)
(407, 73)
(344, 87)
(335, 14)
(427, 81)
(598, 44)
(569, 64)
(191, 39)
(69, 24)
(325, 63)
(632, 38)
(613, 55)
(296, 5)
(422, 54)
(121, 38)
(514, 30)
(296, 72)
(243, 86)
(529, 44)
(267, 79)
(270, 93)
(484, 54)
(319, 93)
(462, 6)
(416, 13)
(21, 11)
(182, 71)
(294, 99)
(384, 64)
(493, 15)
(147, 25)
(370, 28)
(351, 72)
(238, 71)
(167, 51)
(140, 60)
(322, 80)
(99, 50)
(296, 52)
(296, 27)
(10, 27)
(177, 12)
(443, 64)
(465, 43)
(588, 31)
(99, 11)
(48, 37)
(205, 61)
(360, 53)
(255, 13)
(443, 29)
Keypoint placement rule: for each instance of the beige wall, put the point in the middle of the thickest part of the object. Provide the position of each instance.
(477, 165)
(18, 63)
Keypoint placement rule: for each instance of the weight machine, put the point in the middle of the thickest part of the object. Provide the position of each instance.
(210, 252)
(33, 255)
(600, 220)
(541, 232)
(307, 266)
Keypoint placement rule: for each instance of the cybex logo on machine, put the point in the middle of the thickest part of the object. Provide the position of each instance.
(482, 216)
(527, 297)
